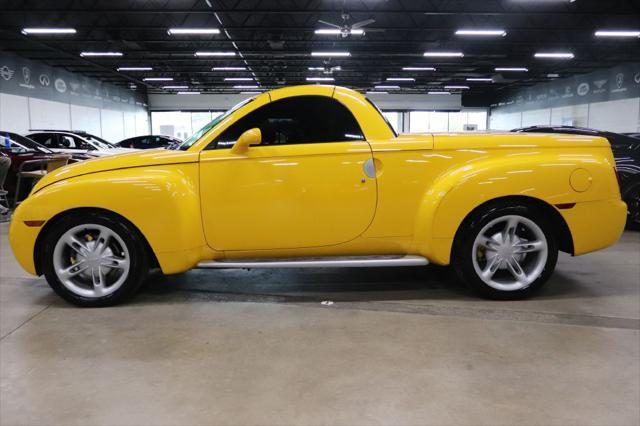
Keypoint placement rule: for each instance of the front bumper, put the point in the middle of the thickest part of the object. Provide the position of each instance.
(22, 239)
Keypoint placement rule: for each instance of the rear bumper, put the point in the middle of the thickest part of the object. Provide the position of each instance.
(595, 225)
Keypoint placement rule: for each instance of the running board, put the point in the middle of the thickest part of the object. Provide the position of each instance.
(317, 262)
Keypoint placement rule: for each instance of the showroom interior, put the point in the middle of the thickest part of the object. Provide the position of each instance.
(91, 82)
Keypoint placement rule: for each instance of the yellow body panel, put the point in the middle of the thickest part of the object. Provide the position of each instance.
(286, 196)
(317, 200)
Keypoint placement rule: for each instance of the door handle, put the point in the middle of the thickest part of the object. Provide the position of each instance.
(369, 168)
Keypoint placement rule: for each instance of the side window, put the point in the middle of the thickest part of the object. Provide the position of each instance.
(67, 142)
(296, 120)
(45, 139)
(80, 143)
(133, 143)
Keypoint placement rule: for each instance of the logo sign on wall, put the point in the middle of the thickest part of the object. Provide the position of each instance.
(621, 82)
(60, 85)
(23, 77)
(26, 78)
(6, 73)
(44, 80)
(583, 89)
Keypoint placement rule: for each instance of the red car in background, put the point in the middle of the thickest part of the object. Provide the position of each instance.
(21, 149)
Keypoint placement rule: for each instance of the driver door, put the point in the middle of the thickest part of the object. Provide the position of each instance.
(304, 186)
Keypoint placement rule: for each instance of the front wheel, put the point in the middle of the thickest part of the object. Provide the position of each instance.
(505, 252)
(94, 259)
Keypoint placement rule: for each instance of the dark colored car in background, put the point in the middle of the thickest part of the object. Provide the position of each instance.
(626, 150)
(19, 149)
(150, 142)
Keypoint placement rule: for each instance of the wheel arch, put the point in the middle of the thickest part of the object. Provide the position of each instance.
(559, 225)
(38, 255)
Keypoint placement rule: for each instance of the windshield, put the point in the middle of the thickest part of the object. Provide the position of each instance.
(96, 141)
(15, 142)
(197, 135)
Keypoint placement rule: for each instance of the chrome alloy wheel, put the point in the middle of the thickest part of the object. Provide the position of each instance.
(510, 253)
(91, 260)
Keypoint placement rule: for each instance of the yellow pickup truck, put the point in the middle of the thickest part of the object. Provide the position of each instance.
(314, 176)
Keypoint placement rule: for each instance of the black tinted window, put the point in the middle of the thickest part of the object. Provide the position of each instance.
(45, 139)
(297, 120)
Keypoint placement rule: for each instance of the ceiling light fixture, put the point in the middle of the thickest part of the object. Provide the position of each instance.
(337, 31)
(134, 69)
(158, 79)
(228, 69)
(401, 79)
(457, 87)
(331, 54)
(338, 68)
(320, 79)
(188, 93)
(438, 93)
(387, 87)
(85, 54)
(484, 80)
(418, 69)
(554, 55)
(377, 93)
(196, 31)
(238, 79)
(481, 33)
(512, 69)
(444, 54)
(614, 33)
(175, 87)
(38, 31)
(204, 53)
(245, 87)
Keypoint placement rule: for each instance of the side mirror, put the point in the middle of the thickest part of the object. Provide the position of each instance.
(248, 138)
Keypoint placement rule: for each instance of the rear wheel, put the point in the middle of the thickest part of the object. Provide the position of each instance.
(94, 259)
(505, 252)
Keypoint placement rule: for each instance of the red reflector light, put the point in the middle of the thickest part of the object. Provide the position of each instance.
(565, 206)
(34, 223)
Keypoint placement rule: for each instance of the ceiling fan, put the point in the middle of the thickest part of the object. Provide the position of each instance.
(326, 68)
(346, 29)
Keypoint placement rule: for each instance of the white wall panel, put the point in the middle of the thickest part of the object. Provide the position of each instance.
(508, 121)
(536, 117)
(142, 123)
(49, 114)
(129, 124)
(86, 118)
(14, 113)
(615, 116)
(383, 101)
(576, 115)
(112, 125)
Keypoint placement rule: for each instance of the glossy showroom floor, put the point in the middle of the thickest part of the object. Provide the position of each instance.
(398, 346)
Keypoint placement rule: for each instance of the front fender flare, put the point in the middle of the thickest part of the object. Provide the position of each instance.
(162, 203)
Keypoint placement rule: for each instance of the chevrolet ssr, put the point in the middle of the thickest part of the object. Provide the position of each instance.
(314, 176)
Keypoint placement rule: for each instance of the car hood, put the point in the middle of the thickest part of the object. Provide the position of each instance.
(155, 157)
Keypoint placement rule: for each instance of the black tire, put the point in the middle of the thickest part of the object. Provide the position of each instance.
(135, 244)
(463, 251)
(632, 198)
